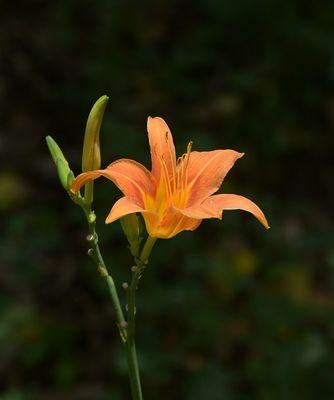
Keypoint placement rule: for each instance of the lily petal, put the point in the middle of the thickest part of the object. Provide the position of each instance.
(122, 207)
(236, 202)
(125, 206)
(132, 178)
(162, 146)
(206, 171)
(214, 205)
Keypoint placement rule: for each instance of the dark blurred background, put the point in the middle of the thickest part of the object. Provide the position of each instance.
(228, 312)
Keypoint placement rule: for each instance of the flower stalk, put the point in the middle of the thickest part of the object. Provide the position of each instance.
(141, 263)
(95, 253)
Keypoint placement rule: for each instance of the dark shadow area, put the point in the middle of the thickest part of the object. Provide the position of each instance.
(230, 311)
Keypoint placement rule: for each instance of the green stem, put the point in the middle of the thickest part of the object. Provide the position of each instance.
(131, 345)
(133, 370)
(144, 255)
(97, 256)
(89, 190)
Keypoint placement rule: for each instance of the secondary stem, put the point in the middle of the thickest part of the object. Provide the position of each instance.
(131, 345)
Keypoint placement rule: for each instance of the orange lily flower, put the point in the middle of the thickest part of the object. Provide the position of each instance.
(178, 193)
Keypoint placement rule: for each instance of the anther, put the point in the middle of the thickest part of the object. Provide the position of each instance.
(124, 324)
(90, 252)
(125, 285)
(134, 268)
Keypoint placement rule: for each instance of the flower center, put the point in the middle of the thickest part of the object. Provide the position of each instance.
(173, 185)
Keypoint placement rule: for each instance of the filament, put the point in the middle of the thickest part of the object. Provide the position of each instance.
(172, 162)
(175, 186)
(165, 176)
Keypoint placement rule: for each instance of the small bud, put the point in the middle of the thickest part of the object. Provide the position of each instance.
(103, 271)
(65, 174)
(134, 268)
(123, 324)
(55, 150)
(91, 217)
(70, 179)
(90, 238)
(91, 157)
(131, 227)
(125, 285)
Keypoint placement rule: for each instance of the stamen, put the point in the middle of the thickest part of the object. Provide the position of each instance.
(190, 145)
(178, 167)
(165, 177)
(184, 175)
(182, 170)
(172, 163)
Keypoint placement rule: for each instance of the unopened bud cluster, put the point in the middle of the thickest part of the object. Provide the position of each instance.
(91, 156)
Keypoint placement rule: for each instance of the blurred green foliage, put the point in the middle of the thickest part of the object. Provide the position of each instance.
(228, 312)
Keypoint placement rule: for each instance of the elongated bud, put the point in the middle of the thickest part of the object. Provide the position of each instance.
(54, 149)
(65, 174)
(131, 227)
(91, 155)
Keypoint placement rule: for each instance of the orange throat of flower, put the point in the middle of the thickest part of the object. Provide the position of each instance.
(173, 188)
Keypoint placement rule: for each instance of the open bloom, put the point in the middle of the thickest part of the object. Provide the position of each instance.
(178, 193)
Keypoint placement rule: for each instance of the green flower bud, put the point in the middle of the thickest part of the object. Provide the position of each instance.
(91, 155)
(55, 150)
(65, 174)
(131, 228)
